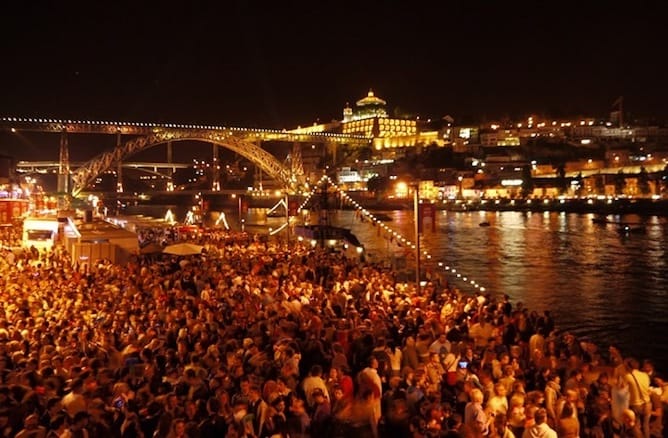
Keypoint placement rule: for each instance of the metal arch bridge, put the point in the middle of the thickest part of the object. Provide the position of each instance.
(41, 166)
(243, 141)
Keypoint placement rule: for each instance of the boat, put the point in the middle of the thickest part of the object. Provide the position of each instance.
(484, 224)
(326, 235)
(626, 229)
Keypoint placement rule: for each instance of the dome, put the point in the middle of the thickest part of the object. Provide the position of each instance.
(371, 99)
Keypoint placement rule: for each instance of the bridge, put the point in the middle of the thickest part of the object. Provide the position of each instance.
(45, 166)
(246, 142)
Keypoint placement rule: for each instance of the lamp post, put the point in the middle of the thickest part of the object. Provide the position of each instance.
(416, 213)
(287, 219)
(239, 207)
(460, 194)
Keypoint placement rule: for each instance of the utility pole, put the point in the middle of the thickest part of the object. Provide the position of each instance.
(416, 212)
(287, 219)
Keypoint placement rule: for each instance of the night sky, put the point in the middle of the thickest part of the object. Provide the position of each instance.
(281, 64)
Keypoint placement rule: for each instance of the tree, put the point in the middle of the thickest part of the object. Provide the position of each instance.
(527, 182)
(364, 153)
(562, 184)
(599, 183)
(620, 182)
(378, 184)
(643, 182)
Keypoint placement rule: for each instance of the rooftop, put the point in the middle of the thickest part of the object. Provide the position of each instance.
(371, 99)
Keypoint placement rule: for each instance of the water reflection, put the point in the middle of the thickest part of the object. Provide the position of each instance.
(598, 283)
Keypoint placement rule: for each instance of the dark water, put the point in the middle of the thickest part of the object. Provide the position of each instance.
(609, 288)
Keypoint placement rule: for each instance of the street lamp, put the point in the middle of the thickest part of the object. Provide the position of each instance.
(460, 195)
(287, 219)
(416, 218)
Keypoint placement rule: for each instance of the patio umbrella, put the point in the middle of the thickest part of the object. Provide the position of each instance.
(183, 249)
(151, 248)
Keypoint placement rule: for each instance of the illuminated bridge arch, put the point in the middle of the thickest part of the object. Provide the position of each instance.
(235, 142)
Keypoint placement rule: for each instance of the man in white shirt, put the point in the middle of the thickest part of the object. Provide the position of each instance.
(312, 381)
(639, 389)
(369, 379)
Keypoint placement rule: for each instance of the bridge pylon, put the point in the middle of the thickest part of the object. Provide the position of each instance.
(63, 184)
(215, 169)
(64, 164)
(170, 160)
(119, 166)
(296, 164)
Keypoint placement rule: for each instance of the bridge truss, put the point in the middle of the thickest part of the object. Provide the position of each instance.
(244, 141)
(85, 174)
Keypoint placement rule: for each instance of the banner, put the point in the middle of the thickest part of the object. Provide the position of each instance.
(426, 210)
(243, 205)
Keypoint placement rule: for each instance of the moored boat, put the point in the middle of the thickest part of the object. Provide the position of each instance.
(626, 229)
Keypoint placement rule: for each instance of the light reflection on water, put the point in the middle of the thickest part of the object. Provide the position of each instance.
(598, 284)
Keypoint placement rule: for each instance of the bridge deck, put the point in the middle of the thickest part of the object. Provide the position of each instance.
(147, 128)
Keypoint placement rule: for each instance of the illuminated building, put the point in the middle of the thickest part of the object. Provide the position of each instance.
(500, 137)
(369, 118)
(366, 108)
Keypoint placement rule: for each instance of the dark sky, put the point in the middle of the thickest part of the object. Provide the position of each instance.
(283, 63)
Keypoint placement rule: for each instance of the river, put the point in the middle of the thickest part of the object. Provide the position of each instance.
(599, 284)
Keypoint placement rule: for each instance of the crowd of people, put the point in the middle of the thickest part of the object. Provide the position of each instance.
(261, 339)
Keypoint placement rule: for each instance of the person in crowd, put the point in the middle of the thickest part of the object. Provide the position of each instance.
(639, 390)
(476, 419)
(500, 427)
(238, 343)
(540, 428)
(568, 425)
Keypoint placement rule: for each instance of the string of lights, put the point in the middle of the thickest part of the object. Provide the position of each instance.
(277, 230)
(75, 125)
(393, 234)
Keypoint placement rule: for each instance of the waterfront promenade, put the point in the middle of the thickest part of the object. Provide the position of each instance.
(252, 338)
